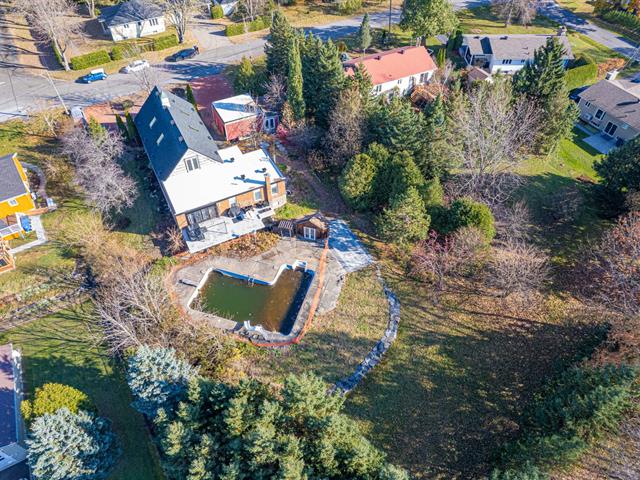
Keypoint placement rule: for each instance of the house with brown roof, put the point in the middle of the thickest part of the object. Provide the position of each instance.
(613, 107)
(507, 53)
(398, 70)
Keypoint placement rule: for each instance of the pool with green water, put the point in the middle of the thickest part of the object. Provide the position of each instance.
(275, 307)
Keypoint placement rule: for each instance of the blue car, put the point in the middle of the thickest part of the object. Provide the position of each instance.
(93, 76)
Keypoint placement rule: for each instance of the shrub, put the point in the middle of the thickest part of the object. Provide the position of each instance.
(577, 408)
(51, 397)
(117, 53)
(234, 29)
(625, 19)
(93, 59)
(58, 56)
(163, 42)
(433, 193)
(216, 11)
(347, 7)
(71, 446)
(357, 182)
(582, 75)
(464, 212)
(259, 23)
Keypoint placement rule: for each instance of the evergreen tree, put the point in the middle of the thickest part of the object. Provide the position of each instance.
(131, 127)
(310, 51)
(330, 77)
(403, 173)
(157, 379)
(361, 81)
(543, 82)
(245, 77)
(51, 397)
(441, 57)
(620, 169)
(405, 220)
(278, 44)
(364, 34)
(71, 446)
(428, 18)
(433, 162)
(294, 82)
(357, 182)
(122, 127)
(96, 130)
(191, 97)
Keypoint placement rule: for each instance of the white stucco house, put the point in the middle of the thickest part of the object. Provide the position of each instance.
(398, 70)
(132, 19)
(507, 53)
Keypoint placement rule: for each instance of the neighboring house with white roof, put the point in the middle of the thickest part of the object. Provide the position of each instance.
(398, 70)
(13, 454)
(214, 195)
(507, 53)
(612, 107)
(132, 19)
(239, 116)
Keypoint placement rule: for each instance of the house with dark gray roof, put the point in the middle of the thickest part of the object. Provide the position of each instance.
(214, 194)
(132, 19)
(13, 454)
(613, 107)
(507, 53)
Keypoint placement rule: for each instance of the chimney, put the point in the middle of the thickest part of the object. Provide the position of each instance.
(164, 100)
(562, 31)
(612, 75)
(267, 186)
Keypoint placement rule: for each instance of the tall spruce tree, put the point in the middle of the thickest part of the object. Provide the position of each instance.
(294, 81)
(364, 34)
(310, 48)
(244, 79)
(405, 220)
(330, 76)
(434, 160)
(543, 82)
(278, 44)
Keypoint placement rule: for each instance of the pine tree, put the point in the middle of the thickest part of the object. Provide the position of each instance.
(361, 81)
(122, 127)
(294, 82)
(543, 82)
(157, 379)
(441, 57)
(131, 127)
(428, 18)
(405, 220)
(434, 160)
(364, 34)
(403, 173)
(278, 45)
(330, 76)
(96, 130)
(71, 446)
(244, 79)
(310, 48)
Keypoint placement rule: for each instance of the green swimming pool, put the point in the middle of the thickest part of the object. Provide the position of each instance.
(275, 307)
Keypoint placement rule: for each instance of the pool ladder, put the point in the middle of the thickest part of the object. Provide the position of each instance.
(251, 281)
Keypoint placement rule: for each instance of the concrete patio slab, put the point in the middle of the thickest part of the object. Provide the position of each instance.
(601, 142)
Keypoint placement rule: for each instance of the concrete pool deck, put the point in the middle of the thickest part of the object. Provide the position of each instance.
(186, 281)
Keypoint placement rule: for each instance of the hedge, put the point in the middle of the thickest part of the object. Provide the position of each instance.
(582, 75)
(92, 59)
(259, 23)
(216, 11)
(164, 42)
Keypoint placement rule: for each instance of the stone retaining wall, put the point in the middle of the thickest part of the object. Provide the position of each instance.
(375, 355)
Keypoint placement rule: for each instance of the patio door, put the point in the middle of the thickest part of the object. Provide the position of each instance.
(610, 129)
(309, 233)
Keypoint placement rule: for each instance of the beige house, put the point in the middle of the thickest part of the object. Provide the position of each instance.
(613, 107)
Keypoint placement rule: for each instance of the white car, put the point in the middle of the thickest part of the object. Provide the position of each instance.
(136, 66)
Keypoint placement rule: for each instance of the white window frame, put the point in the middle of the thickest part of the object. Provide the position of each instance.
(587, 103)
(192, 163)
(257, 195)
(233, 201)
(309, 233)
(377, 89)
(274, 188)
(13, 202)
(152, 122)
(160, 139)
(601, 112)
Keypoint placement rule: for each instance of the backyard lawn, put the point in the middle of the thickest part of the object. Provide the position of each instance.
(60, 349)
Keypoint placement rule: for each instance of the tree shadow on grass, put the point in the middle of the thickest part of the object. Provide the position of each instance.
(453, 386)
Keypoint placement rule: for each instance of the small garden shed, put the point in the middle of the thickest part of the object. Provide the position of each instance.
(312, 227)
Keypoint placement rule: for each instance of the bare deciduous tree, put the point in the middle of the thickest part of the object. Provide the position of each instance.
(91, 7)
(251, 9)
(492, 129)
(43, 118)
(344, 137)
(105, 185)
(518, 267)
(276, 93)
(618, 262)
(523, 11)
(180, 13)
(147, 78)
(175, 240)
(52, 20)
(514, 221)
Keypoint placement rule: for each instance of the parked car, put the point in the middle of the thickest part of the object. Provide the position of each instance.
(93, 76)
(136, 66)
(183, 54)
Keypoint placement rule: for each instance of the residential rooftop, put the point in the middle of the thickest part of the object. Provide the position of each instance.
(235, 108)
(517, 46)
(129, 12)
(393, 64)
(11, 184)
(618, 101)
(169, 126)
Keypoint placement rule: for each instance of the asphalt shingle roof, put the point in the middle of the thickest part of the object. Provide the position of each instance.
(613, 98)
(127, 12)
(176, 129)
(512, 46)
(11, 184)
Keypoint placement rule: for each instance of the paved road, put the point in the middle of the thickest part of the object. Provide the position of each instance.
(29, 89)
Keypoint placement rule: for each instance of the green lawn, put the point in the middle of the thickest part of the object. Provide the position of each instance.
(60, 349)
(482, 20)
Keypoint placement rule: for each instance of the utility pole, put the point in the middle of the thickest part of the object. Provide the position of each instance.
(389, 39)
(57, 93)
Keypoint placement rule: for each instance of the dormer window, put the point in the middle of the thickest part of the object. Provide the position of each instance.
(160, 139)
(192, 164)
(152, 122)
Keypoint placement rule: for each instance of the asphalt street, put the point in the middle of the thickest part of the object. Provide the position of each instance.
(21, 91)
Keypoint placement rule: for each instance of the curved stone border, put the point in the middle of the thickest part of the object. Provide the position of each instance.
(375, 355)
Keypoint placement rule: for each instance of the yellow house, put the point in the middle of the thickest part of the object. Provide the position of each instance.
(15, 196)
